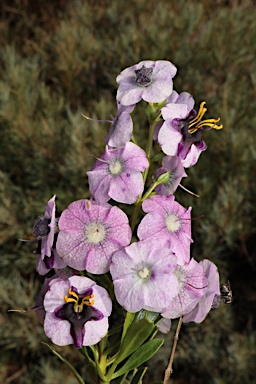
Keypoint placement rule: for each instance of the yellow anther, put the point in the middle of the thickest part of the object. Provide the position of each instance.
(197, 122)
(78, 307)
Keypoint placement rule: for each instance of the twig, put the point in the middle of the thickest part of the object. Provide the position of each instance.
(169, 369)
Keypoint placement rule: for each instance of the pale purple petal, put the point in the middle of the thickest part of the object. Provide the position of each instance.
(90, 246)
(152, 292)
(120, 131)
(169, 139)
(173, 111)
(57, 331)
(95, 331)
(99, 182)
(117, 174)
(156, 90)
(127, 188)
(193, 154)
(204, 306)
(169, 220)
(191, 289)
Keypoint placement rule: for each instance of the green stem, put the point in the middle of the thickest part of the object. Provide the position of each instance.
(138, 203)
(135, 213)
(149, 147)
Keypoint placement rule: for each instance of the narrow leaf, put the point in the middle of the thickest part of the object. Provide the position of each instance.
(144, 353)
(137, 379)
(79, 378)
(128, 321)
(135, 336)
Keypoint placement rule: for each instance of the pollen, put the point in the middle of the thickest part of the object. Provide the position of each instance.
(79, 302)
(172, 223)
(95, 232)
(197, 122)
(115, 167)
(144, 273)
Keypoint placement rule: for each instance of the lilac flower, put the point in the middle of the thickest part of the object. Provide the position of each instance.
(147, 80)
(90, 233)
(121, 128)
(169, 221)
(77, 311)
(143, 276)
(177, 172)
(117, 174)
(199, 313)
(192, 283)
(181, 133)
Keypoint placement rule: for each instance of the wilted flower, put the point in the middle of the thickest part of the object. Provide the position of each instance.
(77, 311)
(90, 233)
(147, 80)
(169, 221)
(143, 276)
(44, 228)
(192, 283)
(181, 133)
(171, 164)
(117, 174)
(121, 128)
(45, 264)
(199, 313)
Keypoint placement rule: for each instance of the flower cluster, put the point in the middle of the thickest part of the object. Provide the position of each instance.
(149, 262)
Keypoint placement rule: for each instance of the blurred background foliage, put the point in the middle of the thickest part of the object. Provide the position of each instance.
(59, 59)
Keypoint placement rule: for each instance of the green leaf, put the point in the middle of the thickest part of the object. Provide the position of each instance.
(128, 321)
(79, 378)
(135, 336)
(137, 379)
(144, 353)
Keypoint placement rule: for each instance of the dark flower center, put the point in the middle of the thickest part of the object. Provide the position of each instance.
(143, 76)
(41, 227)
(78, 310)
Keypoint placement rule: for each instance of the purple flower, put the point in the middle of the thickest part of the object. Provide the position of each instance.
(117, 174)
(169, 221)
(143, 276)
(90, 233)
(177, 172)
(121, 128)
(192, 283)
(77, 311)
(199, 313)
(181, 133)
(147, 80)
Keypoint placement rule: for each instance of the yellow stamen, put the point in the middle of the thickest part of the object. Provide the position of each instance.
(78, 307)
(197, 122)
